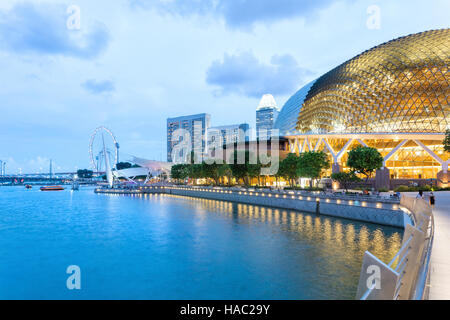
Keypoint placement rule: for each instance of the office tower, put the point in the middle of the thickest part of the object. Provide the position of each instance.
(266, 115)
(229, 133)
(196, 126)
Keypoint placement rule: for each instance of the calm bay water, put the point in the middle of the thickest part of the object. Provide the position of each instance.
(169, 247)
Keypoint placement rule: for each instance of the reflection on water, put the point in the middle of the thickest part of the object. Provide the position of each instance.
(338, 244)
(351, 237)
(173, 247)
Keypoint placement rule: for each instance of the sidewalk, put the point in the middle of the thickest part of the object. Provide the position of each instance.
(440, 256)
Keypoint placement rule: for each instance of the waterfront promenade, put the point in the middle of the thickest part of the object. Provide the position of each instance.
(440, 256)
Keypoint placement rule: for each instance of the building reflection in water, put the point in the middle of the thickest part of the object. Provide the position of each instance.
(351, 237)
(322, 254)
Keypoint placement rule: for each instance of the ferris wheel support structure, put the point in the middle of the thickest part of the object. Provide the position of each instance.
(101, 130)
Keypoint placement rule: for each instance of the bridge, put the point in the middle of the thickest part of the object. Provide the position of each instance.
(37, 178)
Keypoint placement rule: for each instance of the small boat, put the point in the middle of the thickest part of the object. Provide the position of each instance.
(52, 188)
(75, 186)
(28, 186)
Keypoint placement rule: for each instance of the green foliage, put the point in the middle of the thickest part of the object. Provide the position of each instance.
(211, 171)
(225, 171)
(364, 160)
(196, 171)
(414, 188)
(289, 168)
(447, 141)
(123, 165)
(85, 173)
(303, 189)
(244, 170)
(254, 170)
(311, 164)
(126, 165)
(345, 178)
(179, 171)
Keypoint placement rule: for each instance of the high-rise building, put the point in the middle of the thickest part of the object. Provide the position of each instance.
(266, 115)
(230, 133)
(196, 126)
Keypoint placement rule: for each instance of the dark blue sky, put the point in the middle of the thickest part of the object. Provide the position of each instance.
(133, 63)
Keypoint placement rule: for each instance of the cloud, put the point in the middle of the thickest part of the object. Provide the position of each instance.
(99, 87)
(42, 29)
(237, 13)
(244, 74)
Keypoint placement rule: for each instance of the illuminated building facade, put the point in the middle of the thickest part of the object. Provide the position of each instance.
(394, 97)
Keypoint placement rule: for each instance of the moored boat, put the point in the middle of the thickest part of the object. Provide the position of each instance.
(28, 186)
(52, 188)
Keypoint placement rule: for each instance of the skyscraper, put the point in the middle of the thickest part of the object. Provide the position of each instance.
(230, 133)
(196, 126)
(266, 115)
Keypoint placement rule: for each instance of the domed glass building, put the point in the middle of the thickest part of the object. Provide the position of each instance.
(394, 97)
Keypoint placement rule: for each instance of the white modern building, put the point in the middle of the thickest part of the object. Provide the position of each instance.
(266, 115)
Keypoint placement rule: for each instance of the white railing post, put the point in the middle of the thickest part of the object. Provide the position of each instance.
(377, 280)
(411, 257)
(412, 260)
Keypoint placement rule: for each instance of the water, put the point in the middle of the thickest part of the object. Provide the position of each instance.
(170, 247)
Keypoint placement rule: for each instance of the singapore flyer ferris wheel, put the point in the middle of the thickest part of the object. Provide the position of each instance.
(102, 139)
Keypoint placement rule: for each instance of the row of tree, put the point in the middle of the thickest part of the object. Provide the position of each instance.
(308, 165)
(311, 165)
(85, 173)
(244, 171)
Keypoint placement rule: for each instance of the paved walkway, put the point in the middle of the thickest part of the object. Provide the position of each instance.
(440, 256)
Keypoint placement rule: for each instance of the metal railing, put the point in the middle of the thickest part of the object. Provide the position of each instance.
(406, 276)
(318, 194)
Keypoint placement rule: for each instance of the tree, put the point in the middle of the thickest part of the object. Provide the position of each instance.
(244, 169)
(211, 171)
(345, 178)
(225, 171)
(179, 172)
(447, 141)
(289, 168)
(311, 165)
(196, 172)
(254, 170)
(364, 160)
(175, 172)
(123, 165)
(85, 173)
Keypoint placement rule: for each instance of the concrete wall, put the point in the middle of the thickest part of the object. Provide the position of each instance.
(382, 216)
(395, 218)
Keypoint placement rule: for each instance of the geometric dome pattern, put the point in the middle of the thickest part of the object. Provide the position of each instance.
(400, 86)
(286, 121)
